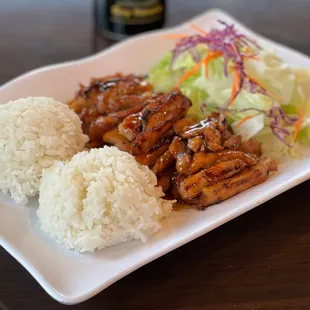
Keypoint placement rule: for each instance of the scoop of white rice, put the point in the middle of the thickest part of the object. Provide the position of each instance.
(100, 198)
(34, 132)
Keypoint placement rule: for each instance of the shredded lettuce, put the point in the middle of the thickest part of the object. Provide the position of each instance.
(289, 87)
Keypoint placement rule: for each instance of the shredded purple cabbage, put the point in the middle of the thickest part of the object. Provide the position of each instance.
(226, 40)
(278, 119)
(232, 45)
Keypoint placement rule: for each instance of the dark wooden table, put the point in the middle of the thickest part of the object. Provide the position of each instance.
(260, 260)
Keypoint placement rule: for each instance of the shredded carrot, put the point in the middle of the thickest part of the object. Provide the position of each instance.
(248, 50)
(264, 88)
(175, 36)
(210, 55)
(254, 57)
(256, 82)
(195, 27)
(204, 61)
(232, 68)
(190, 72)
(251, 57)
(298, 124)
(243, 120)
(235, 88)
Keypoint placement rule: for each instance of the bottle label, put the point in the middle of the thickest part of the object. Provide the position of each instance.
(136, 12)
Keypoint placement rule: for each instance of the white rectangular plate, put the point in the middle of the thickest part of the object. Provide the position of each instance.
(72, 278)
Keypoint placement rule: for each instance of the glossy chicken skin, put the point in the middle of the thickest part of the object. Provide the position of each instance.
(181, 154)
(192, 186)
(201, 160)
(113, 137)
(251, 146)
(112, 93)
(180, 125)
(230, 187)
(103, 124)
(196, 144)
(149, 158)
(163, 162)
(154, 120)
(233, 142)
(213, 140)
(107, 101)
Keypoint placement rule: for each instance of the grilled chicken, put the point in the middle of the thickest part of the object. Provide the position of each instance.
(195, 144)
(196, 129)
(212, 139)
(251, 146)
(182, 124)
(192, 186)
(113, 137)
(112, 93)
(163, 162)
(133, 124)
(202, 160)
(215, 120)
(164, 181)
(148, 158)
(233, 142)
(232, 186)
(182, 155)
(107, 101)
(155, 119)
(229, 155)
(102, 124)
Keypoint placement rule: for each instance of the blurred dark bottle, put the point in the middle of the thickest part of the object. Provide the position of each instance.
(118, 19)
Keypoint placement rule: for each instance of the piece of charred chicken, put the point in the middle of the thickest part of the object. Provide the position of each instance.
(146, 128)
(107, 101)
(237, 184)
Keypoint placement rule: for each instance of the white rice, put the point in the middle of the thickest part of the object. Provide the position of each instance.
(34, 132)
(100, 198)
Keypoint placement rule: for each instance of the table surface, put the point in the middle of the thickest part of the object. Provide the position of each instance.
(257, 261)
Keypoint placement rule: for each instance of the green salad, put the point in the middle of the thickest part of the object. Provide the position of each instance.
(261, 96)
